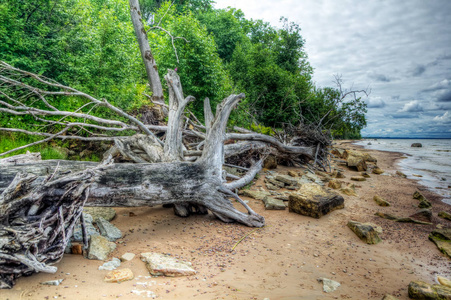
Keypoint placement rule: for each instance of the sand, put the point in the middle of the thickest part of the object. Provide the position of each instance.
(280, 261)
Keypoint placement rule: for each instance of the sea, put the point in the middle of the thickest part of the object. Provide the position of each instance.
(432, 161)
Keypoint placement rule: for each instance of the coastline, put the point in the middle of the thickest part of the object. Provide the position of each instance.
(280, 261)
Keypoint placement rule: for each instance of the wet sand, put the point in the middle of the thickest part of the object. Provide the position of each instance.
(283, 260)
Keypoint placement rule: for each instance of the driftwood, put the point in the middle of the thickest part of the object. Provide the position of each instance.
(37, 221)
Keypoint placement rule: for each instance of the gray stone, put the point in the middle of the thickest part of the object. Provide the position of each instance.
(53, 282)
(424, 215)
(422, 290)
(287, 179)
(273, 204)
(328, 284)
(273, 181)
(381, 201)
(367, 232)
(111, 265)
(162, 265)
(442, 214)
(259, 195)
(127, 256)
(108, 230)
(416, 145)
(314, 201)
(78, 233)
(107, 213)
(442, 239)
(271, 187)
(99, 247)
(314, 178)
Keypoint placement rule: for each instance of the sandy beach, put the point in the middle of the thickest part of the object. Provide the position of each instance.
(283, 260)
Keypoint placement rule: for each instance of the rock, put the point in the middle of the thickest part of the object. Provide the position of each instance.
(127, 256)
(271, 187)
(338, 152)
(401, 220)
(357, 162)
(77, 249)
(328, 284)
(99, 247)
(288, 180)
(337, 173)
(77, 236)
(416, 145)
(271, 180)
(159, 264)
(424, 215)
(422, 290)
(232, 171)
(444, 215)
(119, 275)
(270, 162)
(389, 297)
(365, 174)
(349, 190)
(401, 174)
(367, 232)
(369, 144)
(358, 178)
(273, 204)
(365, 156)
(311, 178)
(107, 213)
(259, 195)
(377, 171)
(314, 201)
(380, 201)
(335, 184)
(108, 230)
(442, 239)
(53, 282)
(292, 173)
(444, 281)
(424, 203)
(111, 265)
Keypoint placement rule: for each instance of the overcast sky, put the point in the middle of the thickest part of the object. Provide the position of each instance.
(400, 49)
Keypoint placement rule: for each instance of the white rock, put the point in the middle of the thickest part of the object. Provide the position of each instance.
(111, 265)
(53, 282)
(329, 285)
(127, 256)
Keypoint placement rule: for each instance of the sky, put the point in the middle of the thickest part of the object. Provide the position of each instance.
(400, 50)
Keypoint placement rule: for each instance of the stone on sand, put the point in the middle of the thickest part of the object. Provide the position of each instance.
(111, 265)
(108, 230)
(423, 290)
(381, 201)
(377, 171)
(259, 195)
(119, 275)
(273, 204)
(349, 190)
(107, 213)
(99, 247)
(445, 215)
(334, 184)
(358, 178)
(389, 297)
(328, 284)
(127, 256)
(163, 265)
(424, 214)
(367, 232)
(442, 239)
(444, 281)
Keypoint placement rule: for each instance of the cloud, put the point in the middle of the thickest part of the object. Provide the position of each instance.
(375, 102)
(444, 96)
(403, 116)
(446, 117)
(412, 106)
(378, 77)
(418, 70)
(444, 84)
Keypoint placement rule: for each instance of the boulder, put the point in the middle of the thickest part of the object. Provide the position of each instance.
(422, 290)
(367, 232)
(108, 230)
(357, 162)
(349, 190)
(99, 247)
(287, 179)
(381, 201)
(314, 201)
(119, 275)
(270, 162)
(328, 284)
(259, 195)
(365, 156)
(162, 265)
(273, 204)
(335, 184)
(416, 145)
(442, 239)
(377, 171)
(424, 215)
(107, 213)
(444, 281)
(444, 215)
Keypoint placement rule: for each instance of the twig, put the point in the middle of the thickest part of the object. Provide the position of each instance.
(245, 236)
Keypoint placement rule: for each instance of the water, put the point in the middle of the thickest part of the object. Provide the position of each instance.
(432, 161)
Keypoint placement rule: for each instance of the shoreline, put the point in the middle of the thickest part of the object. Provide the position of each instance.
(283, 260)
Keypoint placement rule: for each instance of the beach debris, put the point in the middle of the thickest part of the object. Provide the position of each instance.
(99, 247)
(107, 213)
(328, 284)
(416, 145)
(334, 184)
(442, 239)
(108, 230)
(357, 162)
(424, 203)
(111, 265)
(127, 256)
(377, 171)
(358, 178)
(423, 290)
(119, 275)
(401, 174)
(53, 282)
(259, 195)
(424, 214)
(315, 201)
(144, 293)
(273, 204)
(349, 190)
(367, 232)
(77, 236)
(400, 219)
(444, 281)
(163, 265)
(445, 215)
(381, 201)
(389, 297)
